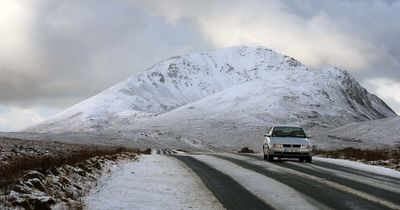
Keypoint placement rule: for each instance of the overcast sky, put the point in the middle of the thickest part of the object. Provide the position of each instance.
(54, 54)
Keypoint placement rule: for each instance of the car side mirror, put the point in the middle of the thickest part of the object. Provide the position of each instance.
(309, 136)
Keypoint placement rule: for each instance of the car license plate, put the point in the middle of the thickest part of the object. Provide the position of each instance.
(291, 150)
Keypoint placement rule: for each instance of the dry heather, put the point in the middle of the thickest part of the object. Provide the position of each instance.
(41, 174)
(388, 157)
(18, 156)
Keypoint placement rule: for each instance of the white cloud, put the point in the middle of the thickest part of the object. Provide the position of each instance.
(17, 51)
(16, 118)
(388, 90)
(317, 40)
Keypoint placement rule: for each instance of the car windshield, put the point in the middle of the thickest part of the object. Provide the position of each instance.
(288, 132)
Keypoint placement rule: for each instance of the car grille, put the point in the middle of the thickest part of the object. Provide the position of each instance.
(292, 145)
(292, 153)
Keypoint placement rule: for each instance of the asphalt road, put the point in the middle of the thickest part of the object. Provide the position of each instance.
(230, 193)
(327, 185)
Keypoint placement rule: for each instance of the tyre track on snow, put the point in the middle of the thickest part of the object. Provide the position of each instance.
(380, 177)
(375, 191)
(231, 194)
(326, 194)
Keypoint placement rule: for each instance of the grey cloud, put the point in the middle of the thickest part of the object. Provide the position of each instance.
(367, 28)
(374, 22)
(84, 47)
(87, 46)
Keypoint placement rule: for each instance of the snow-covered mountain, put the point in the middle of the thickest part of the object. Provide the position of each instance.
(225, 94)
(386, 131)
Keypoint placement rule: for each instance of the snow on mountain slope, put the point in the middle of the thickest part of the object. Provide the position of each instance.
(170, 84)
(386, 131)
(285, 97)
(231, 91)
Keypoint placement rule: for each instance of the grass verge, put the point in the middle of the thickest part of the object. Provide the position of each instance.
(385, 157)
(11, 171)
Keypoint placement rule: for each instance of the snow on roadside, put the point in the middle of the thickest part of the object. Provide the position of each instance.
(276, 194)
(153, 182)
(377, 183)
(361, 166)
(320, 180)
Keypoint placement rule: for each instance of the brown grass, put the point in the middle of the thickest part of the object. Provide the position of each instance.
(361, 154)
(11, 172)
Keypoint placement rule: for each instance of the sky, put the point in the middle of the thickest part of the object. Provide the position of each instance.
(54, 54)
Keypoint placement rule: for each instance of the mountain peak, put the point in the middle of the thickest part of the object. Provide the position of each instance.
(251, 86)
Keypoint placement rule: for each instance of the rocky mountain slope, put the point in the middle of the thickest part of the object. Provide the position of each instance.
(222, 99)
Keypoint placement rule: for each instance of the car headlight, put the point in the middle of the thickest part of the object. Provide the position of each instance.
(305, 146)
(278, 145)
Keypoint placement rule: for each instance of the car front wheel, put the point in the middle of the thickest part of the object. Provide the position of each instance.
(267, 157)
(308, 159)
(270, 158)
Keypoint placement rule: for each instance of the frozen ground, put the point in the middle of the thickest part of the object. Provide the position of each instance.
(12, 149)
(44, 174)
(226, 180)
(154, 182)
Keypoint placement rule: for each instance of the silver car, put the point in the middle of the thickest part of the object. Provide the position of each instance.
(287, 142)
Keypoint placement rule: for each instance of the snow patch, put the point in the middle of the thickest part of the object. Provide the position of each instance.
(361, 166)
(153, 182)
